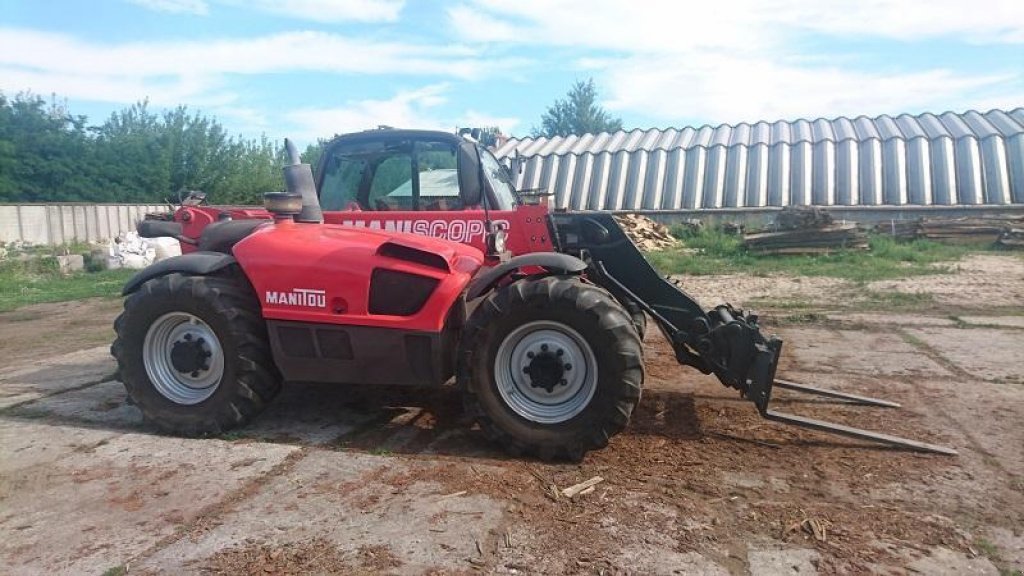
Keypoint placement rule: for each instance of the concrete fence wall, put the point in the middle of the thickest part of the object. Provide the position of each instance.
(57, 224)
(64, 223)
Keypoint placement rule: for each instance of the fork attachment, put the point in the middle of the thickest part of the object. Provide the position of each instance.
(724, 341)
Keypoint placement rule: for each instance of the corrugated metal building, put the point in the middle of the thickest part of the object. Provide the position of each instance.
(950, 159)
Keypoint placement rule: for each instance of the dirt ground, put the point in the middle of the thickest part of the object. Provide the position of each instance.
(358, 481)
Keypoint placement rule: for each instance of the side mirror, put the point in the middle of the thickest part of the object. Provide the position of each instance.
(516, 166)
(158, 229)
(470, 190)
(163, 228)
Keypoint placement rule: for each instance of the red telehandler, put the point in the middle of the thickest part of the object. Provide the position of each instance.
(426, 264)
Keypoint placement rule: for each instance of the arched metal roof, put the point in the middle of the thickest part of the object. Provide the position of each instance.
(946, 159)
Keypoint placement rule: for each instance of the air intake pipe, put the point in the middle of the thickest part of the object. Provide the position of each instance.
(298, 179)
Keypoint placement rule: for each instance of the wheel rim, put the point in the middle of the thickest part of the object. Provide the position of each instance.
(183, 358)
(546, 372)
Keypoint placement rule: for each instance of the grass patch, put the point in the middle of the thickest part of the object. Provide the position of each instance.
(721, 253)
(39, 280)
(805, 318)
(901, 300)
(987, 548)
(116, 571)
(960, 323)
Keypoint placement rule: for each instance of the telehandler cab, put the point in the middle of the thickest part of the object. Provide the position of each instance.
(538, 316)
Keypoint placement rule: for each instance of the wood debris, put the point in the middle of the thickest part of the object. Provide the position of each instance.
(802, 218)
(815, 527)
(806, 230)
(577, 489)
(900, 229)
(1013, 237)
(646, 233)
(452, 495)
(1006, 231)
(963, 230)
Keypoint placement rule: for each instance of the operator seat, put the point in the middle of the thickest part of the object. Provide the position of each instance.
(223, 235)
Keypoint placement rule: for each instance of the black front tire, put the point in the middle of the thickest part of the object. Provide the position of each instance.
(228, 305)
(589, 311)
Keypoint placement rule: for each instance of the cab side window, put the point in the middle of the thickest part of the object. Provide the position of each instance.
(392, 186)
(396, 175)
(438, 176)
(340, 188)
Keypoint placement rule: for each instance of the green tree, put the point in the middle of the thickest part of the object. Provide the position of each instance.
(578, 113)
(489, 136)
(254, 169)
(44, 151)
(132, 155)
(136, 155)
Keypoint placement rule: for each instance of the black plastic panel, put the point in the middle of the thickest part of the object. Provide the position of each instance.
(334, 343)
(297, 343)
(398, 293)
(392, 250)
(359, 354)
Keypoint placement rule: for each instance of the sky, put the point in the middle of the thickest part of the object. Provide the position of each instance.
(312, 68)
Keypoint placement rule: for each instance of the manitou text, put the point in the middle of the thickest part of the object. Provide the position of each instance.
(299, 297)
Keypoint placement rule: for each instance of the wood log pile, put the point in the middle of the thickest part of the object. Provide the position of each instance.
(963, 230)
(1006, 231)
(1014, 236)
(806, 230)
(802, 218)
(646, 233)
(900, 229)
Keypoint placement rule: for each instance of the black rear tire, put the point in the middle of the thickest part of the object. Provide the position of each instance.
(639, 318)
(590, 313)
(228, 306)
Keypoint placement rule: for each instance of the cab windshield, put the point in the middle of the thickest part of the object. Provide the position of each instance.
(499, 180)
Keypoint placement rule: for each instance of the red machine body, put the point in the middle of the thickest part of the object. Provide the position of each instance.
(325, 273)
(404, 181)
(526, 225)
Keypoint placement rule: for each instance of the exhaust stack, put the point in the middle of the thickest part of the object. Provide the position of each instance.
(298, 179)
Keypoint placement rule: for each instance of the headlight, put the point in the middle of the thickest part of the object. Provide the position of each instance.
(497, 241)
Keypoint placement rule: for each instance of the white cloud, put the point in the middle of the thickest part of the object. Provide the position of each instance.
(330, 11)
(174, 6)
(407, 109)
(741, 25)
(281, 52)
(193, 90)
(416, 109)
(760, 59)
(476, 25)
(730, 89)
(473, 119)
(199, 72)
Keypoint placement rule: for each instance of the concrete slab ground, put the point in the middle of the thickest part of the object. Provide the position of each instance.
(335, 479)
(102, 405)
(770, 562)
(39, 378)
(1005, 321)
(858, 352)
(350, 501)
(890, 320)
(987, 353)
(80, 501)
(944, 562)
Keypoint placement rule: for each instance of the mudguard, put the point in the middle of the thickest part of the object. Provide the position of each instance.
(195, 264)
(552, 261)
